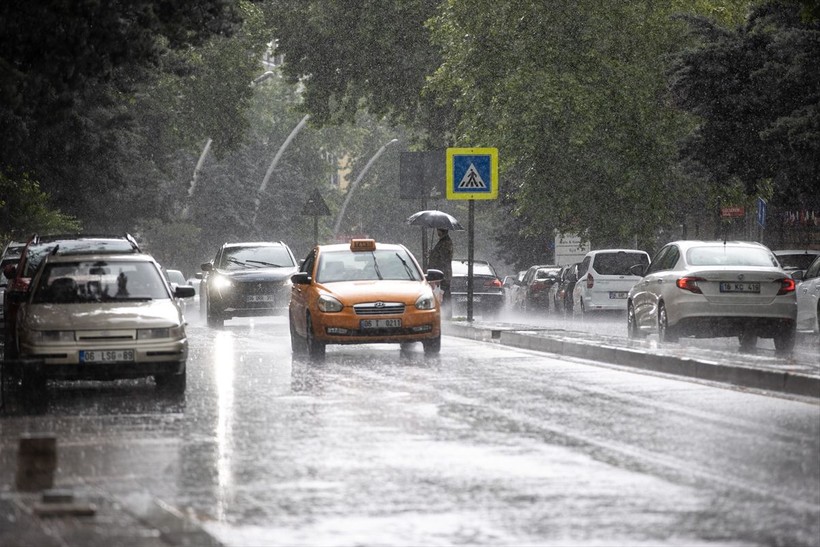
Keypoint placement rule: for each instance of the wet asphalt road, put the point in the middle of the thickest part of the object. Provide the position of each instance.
(482, 445)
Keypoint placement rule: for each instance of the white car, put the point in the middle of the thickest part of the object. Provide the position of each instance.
(604, 279)
(711, 289)
(102, 317)
(808, 298)
(792, 260)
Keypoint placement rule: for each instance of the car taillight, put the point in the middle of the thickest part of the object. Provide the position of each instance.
(787, 285)
(590, 281)
(537, 286)
(492, 283)
(690, 284)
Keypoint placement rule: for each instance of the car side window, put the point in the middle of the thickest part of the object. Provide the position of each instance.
(671, 258)
(814, 270)
(583, 267)
(658, 261)
(307, 265)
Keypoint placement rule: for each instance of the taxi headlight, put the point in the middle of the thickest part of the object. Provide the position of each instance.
(327, 303)
(51, 336)
(222, 283)
(426, 302)
(166, 332)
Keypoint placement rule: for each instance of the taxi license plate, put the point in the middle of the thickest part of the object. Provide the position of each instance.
(380, 324)
(617, 294)
(739, 287)
(261, 298)
(106, 356)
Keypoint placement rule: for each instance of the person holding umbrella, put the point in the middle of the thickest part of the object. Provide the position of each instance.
(441, 258)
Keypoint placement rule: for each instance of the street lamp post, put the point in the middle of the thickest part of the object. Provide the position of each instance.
(353, 186)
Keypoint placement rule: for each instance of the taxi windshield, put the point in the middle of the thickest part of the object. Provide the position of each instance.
(99, 281)
(381, 264)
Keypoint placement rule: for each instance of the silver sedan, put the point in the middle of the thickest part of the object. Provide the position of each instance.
(711, 289)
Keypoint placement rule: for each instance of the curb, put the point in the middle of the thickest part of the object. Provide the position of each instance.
(749, 377)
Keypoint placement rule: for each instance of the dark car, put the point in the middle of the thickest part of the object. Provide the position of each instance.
(561, 291)
(249, 279)
(37, 248)
(488, 294)
(535, 287)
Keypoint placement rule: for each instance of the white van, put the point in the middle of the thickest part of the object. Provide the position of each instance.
(604, 279)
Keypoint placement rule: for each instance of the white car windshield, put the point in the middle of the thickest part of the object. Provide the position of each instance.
(99, 281)
(360, 266)
(726, 255)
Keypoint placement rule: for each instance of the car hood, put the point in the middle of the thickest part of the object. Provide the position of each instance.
(259, 274)
(111, 315)
(351, 292)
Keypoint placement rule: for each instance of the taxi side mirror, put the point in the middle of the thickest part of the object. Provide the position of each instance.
(434, 275)
(301, 278)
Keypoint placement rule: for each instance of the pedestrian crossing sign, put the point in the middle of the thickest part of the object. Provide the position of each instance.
(472, 173)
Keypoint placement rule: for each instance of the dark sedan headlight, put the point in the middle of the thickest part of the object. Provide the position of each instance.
(222, 283)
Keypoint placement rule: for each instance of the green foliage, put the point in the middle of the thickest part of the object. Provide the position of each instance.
(24, 209)
(755, 91)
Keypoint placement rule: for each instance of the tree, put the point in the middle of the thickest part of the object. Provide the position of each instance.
(24, 209)
(755, 91)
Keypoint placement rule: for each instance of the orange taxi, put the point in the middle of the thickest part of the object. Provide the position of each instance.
(363, 293)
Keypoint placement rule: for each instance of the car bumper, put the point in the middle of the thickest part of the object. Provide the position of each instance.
(348, 328)
(702, 318)
(63, 361)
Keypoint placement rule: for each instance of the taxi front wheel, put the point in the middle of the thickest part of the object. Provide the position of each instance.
(432, 346)
(316, 349)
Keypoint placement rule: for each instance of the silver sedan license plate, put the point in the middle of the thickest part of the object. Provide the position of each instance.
(739, 287)
(617, 294)
(106, 356)
(380, 324)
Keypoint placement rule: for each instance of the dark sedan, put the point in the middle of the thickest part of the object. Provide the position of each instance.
(248, 279)
(488, 292)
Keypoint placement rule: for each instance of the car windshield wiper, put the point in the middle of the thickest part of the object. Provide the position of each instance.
(407, 267)
(376, 266)
(235, 261)
(270, 264)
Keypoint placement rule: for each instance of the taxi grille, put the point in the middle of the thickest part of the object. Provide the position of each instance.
(379, 308)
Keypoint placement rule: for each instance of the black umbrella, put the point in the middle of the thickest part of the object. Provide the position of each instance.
(434, 219)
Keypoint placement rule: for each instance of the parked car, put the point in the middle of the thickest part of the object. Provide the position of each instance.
(363, 292)
(808, 298)
(561, 290)
(101, 317)
(792, 260)
(248, 279)
(177, 279)
(713, 289)
(511, 287)
(36, 249)
(604, 279)
(488, 295)
(536, 285)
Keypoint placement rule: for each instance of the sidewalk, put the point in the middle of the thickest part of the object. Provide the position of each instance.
(92, 519)
(797, 375)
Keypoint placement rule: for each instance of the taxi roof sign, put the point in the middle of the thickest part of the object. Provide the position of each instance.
(362, 245)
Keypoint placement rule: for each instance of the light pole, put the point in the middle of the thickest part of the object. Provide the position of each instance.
(185, 210)
(269, 172)
(353, 186)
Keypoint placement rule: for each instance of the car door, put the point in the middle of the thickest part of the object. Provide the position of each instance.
(808, 293)
(300, 295)
(648, 291)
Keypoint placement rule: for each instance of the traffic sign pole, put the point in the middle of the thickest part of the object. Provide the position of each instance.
(470, 254)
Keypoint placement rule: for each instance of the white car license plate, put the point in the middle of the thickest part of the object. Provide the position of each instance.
(739, 287)
(106, 356)
(617, 294)
(380, 324)
(261, 298)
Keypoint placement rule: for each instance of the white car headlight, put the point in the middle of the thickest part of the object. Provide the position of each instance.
(51, 336)
(426, 302)
(222, 283)
(166, 332)
(327, 303)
